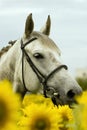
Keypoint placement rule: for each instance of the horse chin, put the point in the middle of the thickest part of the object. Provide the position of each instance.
(57, 102)
(72, 103)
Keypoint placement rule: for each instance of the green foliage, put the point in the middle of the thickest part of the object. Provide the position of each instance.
(82, 82)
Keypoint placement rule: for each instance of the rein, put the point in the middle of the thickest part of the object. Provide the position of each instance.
(43, 79)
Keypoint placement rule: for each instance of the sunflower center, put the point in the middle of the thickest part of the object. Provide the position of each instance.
(2, 112)
(41, 125)
(65, 118)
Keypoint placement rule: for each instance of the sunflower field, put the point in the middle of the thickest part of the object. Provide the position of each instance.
(36, 112)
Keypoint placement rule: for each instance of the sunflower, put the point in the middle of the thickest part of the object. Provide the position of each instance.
(65, 112)
(84, 118)
(39, 117)
(82, 99)
(36, 99)
(80, 112)
(66, 116)
(9, 106)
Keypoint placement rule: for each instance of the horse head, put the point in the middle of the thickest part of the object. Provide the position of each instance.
(42, 69)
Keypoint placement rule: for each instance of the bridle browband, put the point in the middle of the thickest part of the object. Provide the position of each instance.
(43, 79)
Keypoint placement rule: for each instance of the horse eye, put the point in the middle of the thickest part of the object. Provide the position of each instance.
(38, 56)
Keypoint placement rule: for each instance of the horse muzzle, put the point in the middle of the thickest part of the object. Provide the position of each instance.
(60, 98)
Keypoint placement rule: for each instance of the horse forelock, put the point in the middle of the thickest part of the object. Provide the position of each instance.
(46, 41)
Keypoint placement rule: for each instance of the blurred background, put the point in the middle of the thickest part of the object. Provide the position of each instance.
(68, 30)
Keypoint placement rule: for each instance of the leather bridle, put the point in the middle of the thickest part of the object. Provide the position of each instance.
(43, 79)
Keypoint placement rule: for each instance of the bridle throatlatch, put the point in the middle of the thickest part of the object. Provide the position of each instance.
(43, 79)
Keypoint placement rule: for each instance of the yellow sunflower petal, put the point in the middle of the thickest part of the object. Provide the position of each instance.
(37, 99)
(39, 117)
(9, 105)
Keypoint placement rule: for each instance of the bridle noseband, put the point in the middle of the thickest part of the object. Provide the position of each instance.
(43, 79)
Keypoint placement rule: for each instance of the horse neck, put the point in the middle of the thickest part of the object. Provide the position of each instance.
(8, 62)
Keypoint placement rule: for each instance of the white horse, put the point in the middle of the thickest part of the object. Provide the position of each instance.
(32, 64)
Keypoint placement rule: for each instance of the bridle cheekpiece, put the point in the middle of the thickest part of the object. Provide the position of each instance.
(43, 79)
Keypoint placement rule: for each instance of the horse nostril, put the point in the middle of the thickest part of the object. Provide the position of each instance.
(70, 94)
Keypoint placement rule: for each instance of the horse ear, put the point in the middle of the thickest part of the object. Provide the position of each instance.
(29, 25)
(46, 29)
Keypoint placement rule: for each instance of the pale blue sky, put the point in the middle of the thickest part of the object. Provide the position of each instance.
(69, 25)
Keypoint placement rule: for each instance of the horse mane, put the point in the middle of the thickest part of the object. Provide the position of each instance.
(5, 49)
